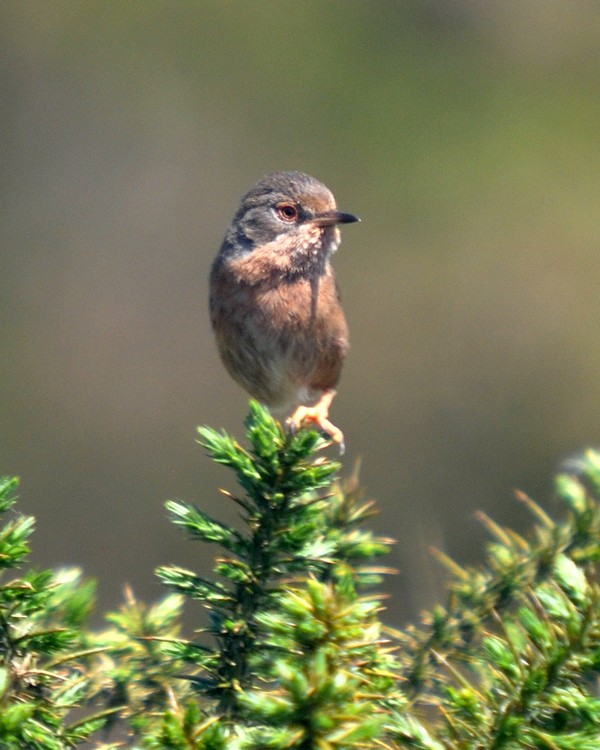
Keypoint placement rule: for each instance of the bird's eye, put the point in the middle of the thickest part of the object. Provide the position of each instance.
(288, 212)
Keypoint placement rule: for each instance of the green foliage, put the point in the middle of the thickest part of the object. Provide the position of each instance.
(42, 651)
(297, 658)
(300, 659)
(137, 672)
(292, 652)
(513, 660)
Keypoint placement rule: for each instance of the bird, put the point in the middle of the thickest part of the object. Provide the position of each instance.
(274, 301)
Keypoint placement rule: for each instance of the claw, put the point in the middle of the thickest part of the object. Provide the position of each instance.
(318, 415)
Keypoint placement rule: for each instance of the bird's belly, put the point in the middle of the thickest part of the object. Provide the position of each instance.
(282, 345)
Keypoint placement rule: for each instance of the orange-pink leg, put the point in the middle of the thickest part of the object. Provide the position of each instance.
(318, 415)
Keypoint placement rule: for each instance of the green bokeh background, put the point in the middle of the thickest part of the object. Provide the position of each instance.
(466, 136)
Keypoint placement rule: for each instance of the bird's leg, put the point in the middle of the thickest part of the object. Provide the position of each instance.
(318, 415)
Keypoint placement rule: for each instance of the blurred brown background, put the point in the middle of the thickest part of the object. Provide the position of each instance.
(466, 136)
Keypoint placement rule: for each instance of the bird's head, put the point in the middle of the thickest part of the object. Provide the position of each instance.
(291, 214)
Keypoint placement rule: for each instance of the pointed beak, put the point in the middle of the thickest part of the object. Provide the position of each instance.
(329, 218)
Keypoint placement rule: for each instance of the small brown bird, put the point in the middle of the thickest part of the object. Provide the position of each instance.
(274, 302)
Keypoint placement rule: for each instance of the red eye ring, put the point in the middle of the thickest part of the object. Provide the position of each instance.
(288, 212)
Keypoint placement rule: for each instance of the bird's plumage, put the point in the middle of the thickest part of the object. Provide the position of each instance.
(274, 302)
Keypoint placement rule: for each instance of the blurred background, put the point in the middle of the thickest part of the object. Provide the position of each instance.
(465, 135)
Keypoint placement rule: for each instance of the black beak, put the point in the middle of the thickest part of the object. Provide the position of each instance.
(329, 218)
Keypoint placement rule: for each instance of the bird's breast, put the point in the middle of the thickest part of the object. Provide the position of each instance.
(278, 336)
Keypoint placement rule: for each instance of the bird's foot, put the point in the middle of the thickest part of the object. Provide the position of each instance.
(319, 416)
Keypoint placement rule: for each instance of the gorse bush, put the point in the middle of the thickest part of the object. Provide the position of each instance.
(44, 652)
(292, 651)
(298, 658)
